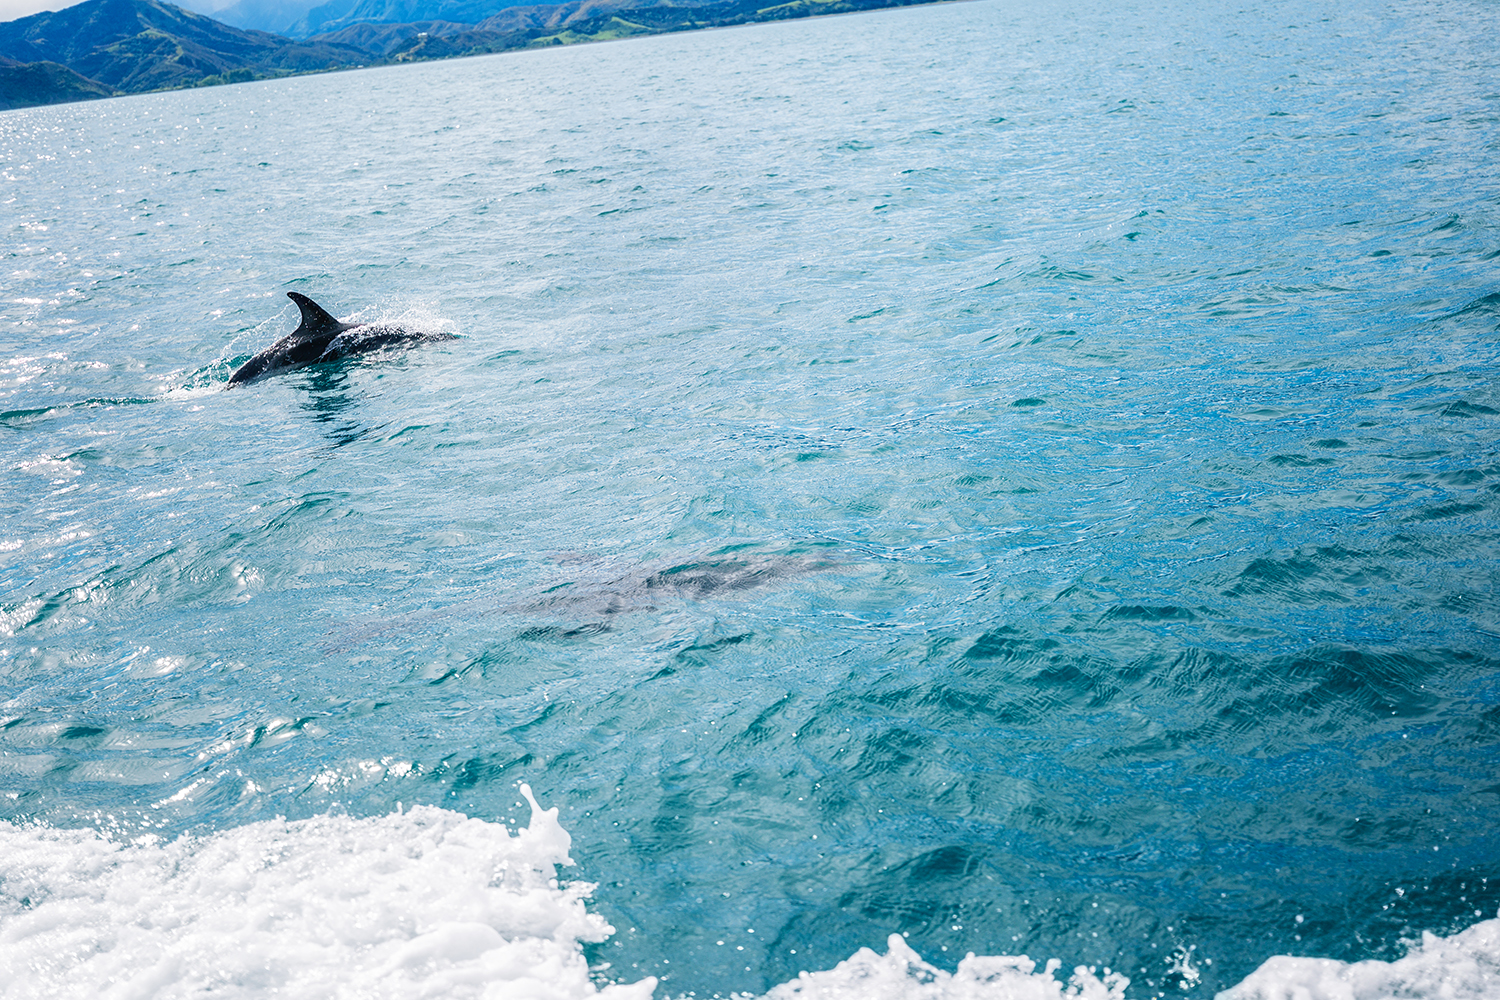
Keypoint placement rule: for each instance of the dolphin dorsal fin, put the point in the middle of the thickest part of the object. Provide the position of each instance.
(316, 321)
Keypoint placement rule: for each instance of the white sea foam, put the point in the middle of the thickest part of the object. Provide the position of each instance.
(425, 903)
(900, 974)
(1465, 966)
(431, 903)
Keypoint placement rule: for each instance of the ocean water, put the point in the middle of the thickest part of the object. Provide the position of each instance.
(972, 500)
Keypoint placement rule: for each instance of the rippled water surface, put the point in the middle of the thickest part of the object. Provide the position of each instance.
(1025, 480)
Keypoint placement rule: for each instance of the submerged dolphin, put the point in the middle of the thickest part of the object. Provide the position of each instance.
(601, 591)
(320, 337)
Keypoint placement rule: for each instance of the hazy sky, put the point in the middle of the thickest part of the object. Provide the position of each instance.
(12, 9)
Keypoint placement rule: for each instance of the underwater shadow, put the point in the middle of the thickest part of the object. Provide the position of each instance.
(332, 405)
(591, 591)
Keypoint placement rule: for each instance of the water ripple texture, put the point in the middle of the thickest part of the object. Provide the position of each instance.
(1020, 480)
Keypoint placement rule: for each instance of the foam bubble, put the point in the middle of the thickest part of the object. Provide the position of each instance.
(1465, 966)
(425, 903)
(900, 974)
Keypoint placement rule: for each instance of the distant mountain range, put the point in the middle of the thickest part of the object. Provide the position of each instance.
(339, 14)
(304, 18)
(101, 48)
(131, 46)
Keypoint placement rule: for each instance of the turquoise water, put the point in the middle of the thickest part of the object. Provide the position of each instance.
(1022, 480)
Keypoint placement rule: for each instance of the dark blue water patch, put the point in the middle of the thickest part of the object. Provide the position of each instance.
(26, 417)
(1486, 307)
(1031, 811)
(1314, 575)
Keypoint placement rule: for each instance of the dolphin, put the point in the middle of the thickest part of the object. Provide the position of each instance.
(597, 591)
(320, 337)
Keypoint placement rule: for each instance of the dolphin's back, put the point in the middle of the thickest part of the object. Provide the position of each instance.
(302, 346)
(319, 337)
